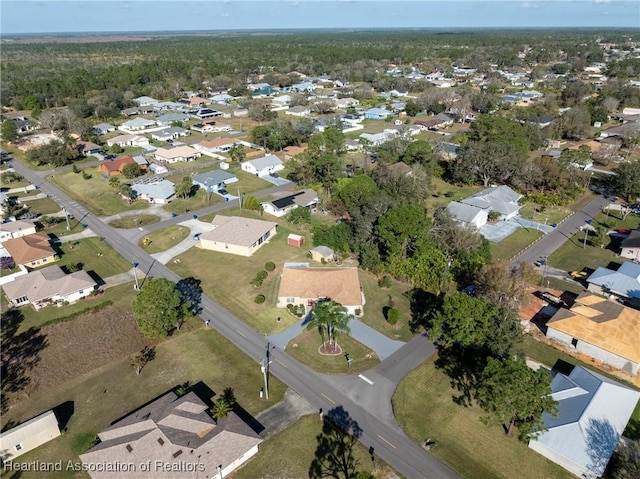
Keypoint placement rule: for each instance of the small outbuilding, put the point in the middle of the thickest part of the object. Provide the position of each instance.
(295, 240)
(29, 435)
(322, 254)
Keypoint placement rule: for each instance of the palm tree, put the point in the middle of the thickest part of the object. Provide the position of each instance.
(220, 408)
(332, 316)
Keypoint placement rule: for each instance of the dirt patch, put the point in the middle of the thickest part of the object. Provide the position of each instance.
(76, 347)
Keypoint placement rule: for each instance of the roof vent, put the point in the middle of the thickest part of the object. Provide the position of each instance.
(129, 448)
(160, 441)
(177, 453)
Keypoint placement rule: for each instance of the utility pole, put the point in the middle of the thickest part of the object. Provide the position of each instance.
(264, 368)
(66, 216)
(586, 233)
(135, 275)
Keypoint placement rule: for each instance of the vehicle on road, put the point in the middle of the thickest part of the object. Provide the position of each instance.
(578, 274)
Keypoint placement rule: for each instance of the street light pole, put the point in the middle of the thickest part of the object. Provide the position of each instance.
(66, 216)
(263, 369)
(586, 233)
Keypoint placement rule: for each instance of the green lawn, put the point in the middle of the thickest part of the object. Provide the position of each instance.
(633, 428)
(36, 319)
(550, 215)
(197, 201)
(134, 221)
(425, 409)
(556, 283)
(456, 193)
(226, 277)
(300, 443)
(378, 298)
(60, 229)
(95, 193)
(165, 238)
(514, 243)
(108, 393)
(95, 255)
(43, 206)
(304, 348)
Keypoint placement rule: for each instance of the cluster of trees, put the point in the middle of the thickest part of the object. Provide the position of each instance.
(160, 308)
(56, 154)
(280, 133)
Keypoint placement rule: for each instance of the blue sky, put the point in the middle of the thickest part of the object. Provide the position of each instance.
(47, 16)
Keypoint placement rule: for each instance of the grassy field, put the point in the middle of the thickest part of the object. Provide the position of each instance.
(378, 298)
(228, 282)
(572, 256)
(456, 193)
(556, 283)
(195, 202)
(300, 443)
(165, 238)
(95, 193)
(550, 215)
(514, 243)
(424, 408)
(114, 390)
(304, 348)
(43, 206)
(95, 255)
(134, 221)
(36, 319)
(60, 229)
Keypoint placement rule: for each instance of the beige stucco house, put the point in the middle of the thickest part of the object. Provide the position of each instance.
(31, 250)
(237, 235)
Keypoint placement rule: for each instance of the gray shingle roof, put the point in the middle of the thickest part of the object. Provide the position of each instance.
(214, 177)
(498, 198)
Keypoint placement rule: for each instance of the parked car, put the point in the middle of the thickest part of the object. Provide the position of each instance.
(223, 192)
(196, 236)
(578, 274)
(623, 231)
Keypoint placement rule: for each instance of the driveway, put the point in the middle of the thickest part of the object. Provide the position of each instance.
(195, 227)
(275, 180)
(496, 232)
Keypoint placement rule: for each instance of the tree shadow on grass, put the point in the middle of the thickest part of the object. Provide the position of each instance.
(191, 290)
(20, 353)
(334, 455)
(463, 366)
(423, 305)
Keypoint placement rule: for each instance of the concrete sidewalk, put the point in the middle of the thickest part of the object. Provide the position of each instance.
(86, 233)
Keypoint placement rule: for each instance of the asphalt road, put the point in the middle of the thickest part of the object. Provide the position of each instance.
(367, 402)
(564, 232)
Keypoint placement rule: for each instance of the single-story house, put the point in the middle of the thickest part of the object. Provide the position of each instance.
(27, 436)
(128, 140)
(304, 285)
(214, 179)
(103, 128)
(205, 113)
(600, 328)
(16, 229)
(496, 198)
(237, 235)
(138, 110)
(298, 110)
(221, 98)
(400, 168)
(592, 413)
(137, 124)
(624, 282)
(263, 166)
(145, 101)
(87, 147)
(47, 286)
(155, 190)
(377, 113)
(287, 202)
(631, 246)
(346, 102)
(322, 254)
(169, 106)
(179, 153)
(281, 100)
(170, 133)
(194, 101)
(114, 168)
(169, 118)
(376, 139)
(441, 120)
(217, 145)
(467, 214)
(178, 437)
(257, 86)
(31, 250)
(264, 92)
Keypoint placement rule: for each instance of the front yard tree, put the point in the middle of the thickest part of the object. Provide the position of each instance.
(516, 395)
(627, 180)
(132, 170)
(184, 189)
(330, 318)
(9, 131)
(159, 308)
(140, 360)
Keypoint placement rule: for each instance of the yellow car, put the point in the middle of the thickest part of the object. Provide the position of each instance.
(578, 274)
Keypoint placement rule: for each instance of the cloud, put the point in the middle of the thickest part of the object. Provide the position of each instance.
(528, 5)
(601, 1)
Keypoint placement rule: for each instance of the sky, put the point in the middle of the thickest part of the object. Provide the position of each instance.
(72, 16)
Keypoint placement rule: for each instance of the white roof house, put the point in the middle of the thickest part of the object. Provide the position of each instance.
(144, 101)
(128, 140)
(496, 198)
(263, 166)
(468, 214)
(137, 124)
(624, 282)
(103, 128)
(592, 413)
(155, 190)
(16, 229)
